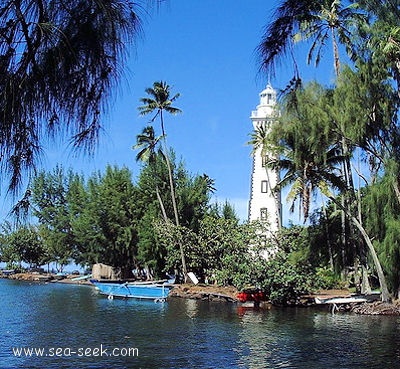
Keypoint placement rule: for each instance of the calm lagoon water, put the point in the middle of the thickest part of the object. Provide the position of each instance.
(182, 333)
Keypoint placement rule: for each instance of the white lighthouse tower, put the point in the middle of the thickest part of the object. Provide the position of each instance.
(264, 204)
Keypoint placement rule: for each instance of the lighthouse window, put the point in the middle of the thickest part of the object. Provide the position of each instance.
(264, 186)
(264, 161)
(263, 214)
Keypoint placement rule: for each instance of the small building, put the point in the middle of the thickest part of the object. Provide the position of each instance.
(264, 204)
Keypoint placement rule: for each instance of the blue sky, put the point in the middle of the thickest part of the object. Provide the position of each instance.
(205, 49)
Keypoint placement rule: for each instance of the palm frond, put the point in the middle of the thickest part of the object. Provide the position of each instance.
(278, 34)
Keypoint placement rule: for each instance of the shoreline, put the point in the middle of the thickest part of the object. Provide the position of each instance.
(229, 294)
(45, 278)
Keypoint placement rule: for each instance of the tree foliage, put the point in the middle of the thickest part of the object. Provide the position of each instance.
(193, 196)
(218, 251)
(108, 218)
(59, 61)
(51, 207)
(360, 111)
(306, 148)
(380, 202)
(106, 226)
(87, 222)
(24, 245)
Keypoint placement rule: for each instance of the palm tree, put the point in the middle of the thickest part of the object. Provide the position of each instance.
(315, 20)
(59, 61)
(309, 161)
(385, 296)
(160, 100)
(307, 176)
(147, 143)
(337, 22)
(306, 171)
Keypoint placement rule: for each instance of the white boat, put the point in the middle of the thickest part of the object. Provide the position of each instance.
(350, 299)
(341, 300)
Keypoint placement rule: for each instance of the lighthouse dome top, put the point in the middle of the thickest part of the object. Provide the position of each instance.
(267, 104)
(268, 96)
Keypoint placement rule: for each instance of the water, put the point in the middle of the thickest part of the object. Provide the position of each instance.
(183, 333)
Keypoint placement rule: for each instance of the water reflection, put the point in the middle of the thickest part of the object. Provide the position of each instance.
(265, 341)
(191, 307)
(187, 333)
(304, 338)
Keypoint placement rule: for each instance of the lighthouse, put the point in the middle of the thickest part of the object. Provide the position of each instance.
(264, 204)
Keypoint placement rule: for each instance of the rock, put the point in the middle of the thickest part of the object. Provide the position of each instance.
(32, 277)
(376, 308)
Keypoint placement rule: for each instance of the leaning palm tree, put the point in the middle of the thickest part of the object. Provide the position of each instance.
(306, 177)
(59, 61)
(160, 100)
(309, 161)
(147, 144)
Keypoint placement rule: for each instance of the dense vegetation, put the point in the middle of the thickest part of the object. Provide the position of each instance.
(330, 138)
(110, 219)
(337, 148)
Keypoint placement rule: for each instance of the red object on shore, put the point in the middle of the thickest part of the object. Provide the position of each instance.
(256, 296)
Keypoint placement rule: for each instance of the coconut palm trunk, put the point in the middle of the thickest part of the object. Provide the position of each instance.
(173, 196)
(159, 102)
(147, 143)
(162, 207)
(170, 174)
